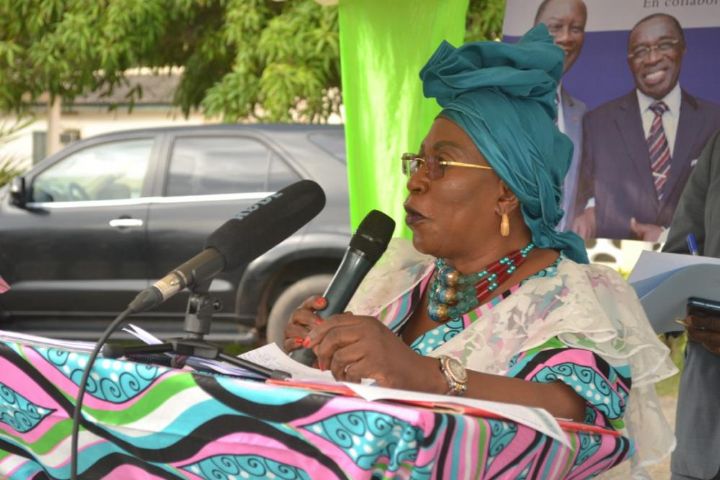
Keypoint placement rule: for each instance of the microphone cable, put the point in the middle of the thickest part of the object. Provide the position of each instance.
(83, 386)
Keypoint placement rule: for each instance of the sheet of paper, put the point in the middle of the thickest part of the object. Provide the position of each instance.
(535, 418)
(664, 282)
(142, 334)
(667, 302)
(272, 356)
(660, 264)
(28, 339)
(269, 356)
(194, 362)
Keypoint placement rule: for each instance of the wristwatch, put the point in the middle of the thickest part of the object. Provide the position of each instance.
(455, 374)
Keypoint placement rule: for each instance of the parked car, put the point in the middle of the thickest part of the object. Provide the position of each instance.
(87, 228)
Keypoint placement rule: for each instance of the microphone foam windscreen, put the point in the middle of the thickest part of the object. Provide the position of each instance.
(373, 235)
(260, 227)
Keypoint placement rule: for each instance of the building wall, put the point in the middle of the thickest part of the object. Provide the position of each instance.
(90, 121)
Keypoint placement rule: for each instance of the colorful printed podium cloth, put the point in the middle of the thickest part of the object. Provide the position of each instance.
(147, 421)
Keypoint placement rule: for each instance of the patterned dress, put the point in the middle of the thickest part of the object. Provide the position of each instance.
(579, 324)
(604, 388)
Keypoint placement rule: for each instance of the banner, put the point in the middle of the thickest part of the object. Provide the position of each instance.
(383, 46)
(633, 153)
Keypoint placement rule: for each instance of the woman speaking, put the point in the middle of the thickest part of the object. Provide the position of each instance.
(489, 301)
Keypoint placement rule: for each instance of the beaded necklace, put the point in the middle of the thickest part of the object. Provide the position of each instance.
(452, 294)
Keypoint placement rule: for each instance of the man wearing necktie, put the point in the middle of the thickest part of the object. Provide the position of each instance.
(639, 149)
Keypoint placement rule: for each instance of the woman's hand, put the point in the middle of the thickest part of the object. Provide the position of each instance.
(302, 321)
(355, 347)
(705, 331)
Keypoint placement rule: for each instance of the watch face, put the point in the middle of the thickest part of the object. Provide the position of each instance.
(457, 370)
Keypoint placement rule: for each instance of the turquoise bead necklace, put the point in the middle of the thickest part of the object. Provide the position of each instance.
(453, 294)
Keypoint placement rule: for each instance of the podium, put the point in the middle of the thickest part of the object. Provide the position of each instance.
(145, 421)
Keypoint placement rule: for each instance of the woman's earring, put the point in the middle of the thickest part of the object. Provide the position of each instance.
(505, 225)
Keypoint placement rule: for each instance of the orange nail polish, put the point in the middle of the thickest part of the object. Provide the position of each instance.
(319, 321)
(320, 303)
(298, 341)
(306, 342)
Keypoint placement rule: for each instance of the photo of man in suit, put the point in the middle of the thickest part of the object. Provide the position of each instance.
(639, 149)
(566, 21)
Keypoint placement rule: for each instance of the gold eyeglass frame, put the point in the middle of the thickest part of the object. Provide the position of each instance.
(406, 157)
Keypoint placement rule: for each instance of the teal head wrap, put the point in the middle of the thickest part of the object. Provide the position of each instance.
(503, 96)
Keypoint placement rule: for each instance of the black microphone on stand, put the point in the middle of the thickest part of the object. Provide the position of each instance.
(243, 238)
(252, 232)
(366, 247)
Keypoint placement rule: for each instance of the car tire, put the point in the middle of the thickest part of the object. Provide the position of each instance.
(291, 299)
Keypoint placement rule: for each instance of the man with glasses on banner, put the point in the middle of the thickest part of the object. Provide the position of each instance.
(639, 149)
(565, 20)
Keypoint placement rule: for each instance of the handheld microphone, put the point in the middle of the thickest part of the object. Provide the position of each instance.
(249, 234)
(366, 247)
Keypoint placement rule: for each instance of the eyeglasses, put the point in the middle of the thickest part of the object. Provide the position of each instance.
(642, 52)
(434, 168)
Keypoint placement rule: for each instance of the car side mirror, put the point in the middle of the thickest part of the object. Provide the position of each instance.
(18, 192)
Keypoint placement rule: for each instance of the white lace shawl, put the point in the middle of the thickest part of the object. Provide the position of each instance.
(586, 306)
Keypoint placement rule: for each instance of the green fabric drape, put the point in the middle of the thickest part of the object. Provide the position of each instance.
(383, 46)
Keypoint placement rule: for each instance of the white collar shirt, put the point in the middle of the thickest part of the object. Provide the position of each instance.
(670, 119)
(559, 102)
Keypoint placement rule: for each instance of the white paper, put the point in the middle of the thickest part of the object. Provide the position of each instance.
(268, 356)
(28, 339)
(536, 418)
(197, 363)
(142, 334)
(653, 264)
(664, 282)
(271, 356)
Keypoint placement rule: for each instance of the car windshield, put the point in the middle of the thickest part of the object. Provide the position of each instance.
(332, 142)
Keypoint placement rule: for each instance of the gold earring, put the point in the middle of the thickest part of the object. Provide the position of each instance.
(505, 225)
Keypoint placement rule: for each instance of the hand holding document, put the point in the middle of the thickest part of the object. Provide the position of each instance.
(664, 282)
(272, 356)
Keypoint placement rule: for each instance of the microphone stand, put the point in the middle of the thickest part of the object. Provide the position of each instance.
(198, 317)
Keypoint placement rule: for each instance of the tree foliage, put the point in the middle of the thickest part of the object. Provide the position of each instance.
(484, 20)
(292, 62)
(69, 47)
(262, 59)
(11, 165)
